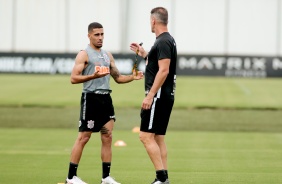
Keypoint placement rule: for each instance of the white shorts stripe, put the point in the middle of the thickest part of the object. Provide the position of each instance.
(159, 93)
(84, 107)
(152, 114)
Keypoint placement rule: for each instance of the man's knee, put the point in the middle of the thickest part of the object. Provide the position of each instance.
(83, 139)
(145, 137)
(159, 139)
(107, 137)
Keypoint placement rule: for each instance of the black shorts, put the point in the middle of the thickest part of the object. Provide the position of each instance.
(155, 120)
(95, 111)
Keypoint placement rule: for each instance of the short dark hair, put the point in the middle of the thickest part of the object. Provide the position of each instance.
(161, 14)
(94, 25)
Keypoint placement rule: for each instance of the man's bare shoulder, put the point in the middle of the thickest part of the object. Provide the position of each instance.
(82, 56)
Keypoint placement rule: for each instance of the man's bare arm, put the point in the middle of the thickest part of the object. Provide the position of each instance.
(158, 82)
(160, 77)
(80, 63)
(122, 78)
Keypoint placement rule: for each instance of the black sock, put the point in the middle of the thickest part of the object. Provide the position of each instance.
(106, 169)
(166, 172)
(161, 175)
(72, 170)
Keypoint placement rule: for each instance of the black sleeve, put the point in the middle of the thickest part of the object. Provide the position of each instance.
(164, 50)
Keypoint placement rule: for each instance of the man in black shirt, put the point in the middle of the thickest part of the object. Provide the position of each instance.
(160, 79)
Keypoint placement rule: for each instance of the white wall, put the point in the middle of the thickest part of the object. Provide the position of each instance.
(39, 26)
(6, 32)
(244, 27)
(253, 27)
(279, 27)
(81, 13)
(199, 26)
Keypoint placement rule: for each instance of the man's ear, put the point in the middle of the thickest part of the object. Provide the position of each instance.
(153, 21)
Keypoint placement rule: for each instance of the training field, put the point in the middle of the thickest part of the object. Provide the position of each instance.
(222, 131)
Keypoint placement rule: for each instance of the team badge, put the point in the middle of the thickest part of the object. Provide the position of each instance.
(106, 58)
(90, 124)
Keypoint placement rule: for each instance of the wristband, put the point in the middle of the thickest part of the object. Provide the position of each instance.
(145, 58)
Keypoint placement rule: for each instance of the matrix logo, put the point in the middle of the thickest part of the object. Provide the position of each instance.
(277, 64)
(218, 63)
(241, 66)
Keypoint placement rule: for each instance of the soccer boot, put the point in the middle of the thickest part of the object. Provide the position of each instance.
(109, 180)
(166, 181)
(159, 182)
(75, 180)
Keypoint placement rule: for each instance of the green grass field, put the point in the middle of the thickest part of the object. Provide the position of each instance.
(191, 92)
(222, 130)
(42, 156)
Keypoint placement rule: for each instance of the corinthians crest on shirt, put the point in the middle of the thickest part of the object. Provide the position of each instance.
(105, 57)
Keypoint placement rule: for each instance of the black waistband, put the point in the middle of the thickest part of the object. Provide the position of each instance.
(100, 91)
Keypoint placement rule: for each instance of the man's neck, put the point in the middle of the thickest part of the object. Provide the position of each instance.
(160, 29)
(95, 48)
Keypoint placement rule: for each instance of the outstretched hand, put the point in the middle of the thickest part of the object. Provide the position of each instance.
(137, 75)
(99, 74)
(136, 48)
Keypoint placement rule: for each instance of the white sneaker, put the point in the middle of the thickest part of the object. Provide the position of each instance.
(109, 180)
(157, 182)
(166, 181)
(75, 180)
